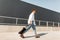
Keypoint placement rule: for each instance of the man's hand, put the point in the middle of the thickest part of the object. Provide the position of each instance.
(30, 22)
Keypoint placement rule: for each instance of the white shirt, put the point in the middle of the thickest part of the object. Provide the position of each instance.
(31, 18)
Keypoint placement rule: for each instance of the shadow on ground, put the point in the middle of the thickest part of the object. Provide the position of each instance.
(41, 34)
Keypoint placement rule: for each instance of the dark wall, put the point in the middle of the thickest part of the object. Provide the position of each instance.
(17, 8)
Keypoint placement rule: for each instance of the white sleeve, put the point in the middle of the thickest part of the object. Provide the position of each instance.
(30, 17)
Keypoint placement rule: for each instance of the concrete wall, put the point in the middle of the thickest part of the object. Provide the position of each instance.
(17, 8)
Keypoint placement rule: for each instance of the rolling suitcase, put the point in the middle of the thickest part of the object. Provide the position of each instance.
(22, 31)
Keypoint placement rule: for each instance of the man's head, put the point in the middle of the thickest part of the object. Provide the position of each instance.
(34, 11)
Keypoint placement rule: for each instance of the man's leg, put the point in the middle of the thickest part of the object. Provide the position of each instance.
(27, 28)
(34, 28)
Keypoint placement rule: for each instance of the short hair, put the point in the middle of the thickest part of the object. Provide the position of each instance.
(34, 9)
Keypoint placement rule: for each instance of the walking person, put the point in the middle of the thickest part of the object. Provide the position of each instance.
(31, 23)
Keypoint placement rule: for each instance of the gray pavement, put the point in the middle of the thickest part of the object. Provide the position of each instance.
(30, 36)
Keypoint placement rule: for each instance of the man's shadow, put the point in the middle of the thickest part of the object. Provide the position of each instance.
(41, 34)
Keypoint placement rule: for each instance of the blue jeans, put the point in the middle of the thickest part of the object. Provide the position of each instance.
(33, 27)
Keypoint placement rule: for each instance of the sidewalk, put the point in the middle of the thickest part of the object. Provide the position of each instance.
(30, 36)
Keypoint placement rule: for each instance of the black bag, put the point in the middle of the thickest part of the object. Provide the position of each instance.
(22, 31)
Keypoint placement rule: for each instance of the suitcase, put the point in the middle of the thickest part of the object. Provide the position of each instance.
(22, 31)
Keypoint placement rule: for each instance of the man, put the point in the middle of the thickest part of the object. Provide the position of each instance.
(31, 23)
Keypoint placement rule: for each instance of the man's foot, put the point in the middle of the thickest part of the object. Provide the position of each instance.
(37, 36)
(22, 36)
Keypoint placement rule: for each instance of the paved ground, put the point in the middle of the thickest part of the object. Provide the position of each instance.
(30, 36)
